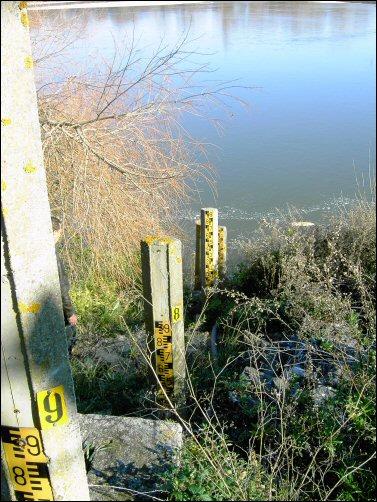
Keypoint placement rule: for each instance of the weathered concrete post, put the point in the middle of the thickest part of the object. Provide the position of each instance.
(42, 456)
(302, 224)
(163, 300)
(209, 246)
(198, 237)
(306, 228)
(222, 252)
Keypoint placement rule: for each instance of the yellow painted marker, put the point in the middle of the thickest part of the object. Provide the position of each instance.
(210, 246)
(24, 19)
(30, 168)
(177, 313)
(164, 355)
(222, 251)
(32, 308)
(29, 63)
(27, 463)
(198, 237)
(52, 408)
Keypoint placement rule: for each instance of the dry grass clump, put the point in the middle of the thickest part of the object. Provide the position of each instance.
(114, 184)
(323, 266)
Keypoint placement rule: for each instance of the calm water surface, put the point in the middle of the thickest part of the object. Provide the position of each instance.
(311, 121)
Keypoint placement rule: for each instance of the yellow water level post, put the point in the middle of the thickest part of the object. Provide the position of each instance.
(198, 237)
(41, 447)
(222, 252)
(209, 246)
(163, 301)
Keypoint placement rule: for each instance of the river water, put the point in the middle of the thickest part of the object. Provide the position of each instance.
(307, 138)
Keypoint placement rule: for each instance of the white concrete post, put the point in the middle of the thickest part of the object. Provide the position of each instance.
(163, 300)
(209, 247)
(302, 224)
(42, 456)
(306, 228)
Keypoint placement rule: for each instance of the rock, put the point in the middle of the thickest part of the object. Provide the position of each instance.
(197, 342)
(268, 376)
(106, 355)
(301, 356)
(128, 454)
(298, 371)
(281, 383)
(342, 336)
(302, 224)
(321, 393)
(112, 351)
(304, 228)
(209, 411)
(334, 376)
(251, 374)
(116, 351)
(233, 398)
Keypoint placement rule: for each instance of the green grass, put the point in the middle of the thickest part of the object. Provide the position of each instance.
(106, 312)
(103, 305)
(208, 470)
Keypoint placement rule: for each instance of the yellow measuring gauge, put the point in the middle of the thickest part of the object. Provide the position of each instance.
(198, 237)
(164, 354)
(26, 462)
(222, 250)
(210, 273)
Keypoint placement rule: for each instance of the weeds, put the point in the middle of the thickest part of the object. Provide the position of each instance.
(287, 411)
(90, 450)
(296, 384)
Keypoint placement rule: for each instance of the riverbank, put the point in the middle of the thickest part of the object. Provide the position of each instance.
(287, 410)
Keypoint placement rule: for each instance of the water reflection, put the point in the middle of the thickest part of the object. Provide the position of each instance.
(315, 115)
(287, 20)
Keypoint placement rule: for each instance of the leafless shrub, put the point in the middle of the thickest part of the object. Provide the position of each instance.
(118, 162)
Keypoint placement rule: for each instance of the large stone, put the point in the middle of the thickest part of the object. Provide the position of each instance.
(321, 394)
(298, 371)
(128, 455)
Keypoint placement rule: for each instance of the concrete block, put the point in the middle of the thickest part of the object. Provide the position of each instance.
(129, 455)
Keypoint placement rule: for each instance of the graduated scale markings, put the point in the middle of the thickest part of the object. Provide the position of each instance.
(27, 463)
(210, 249)
(164, 355)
